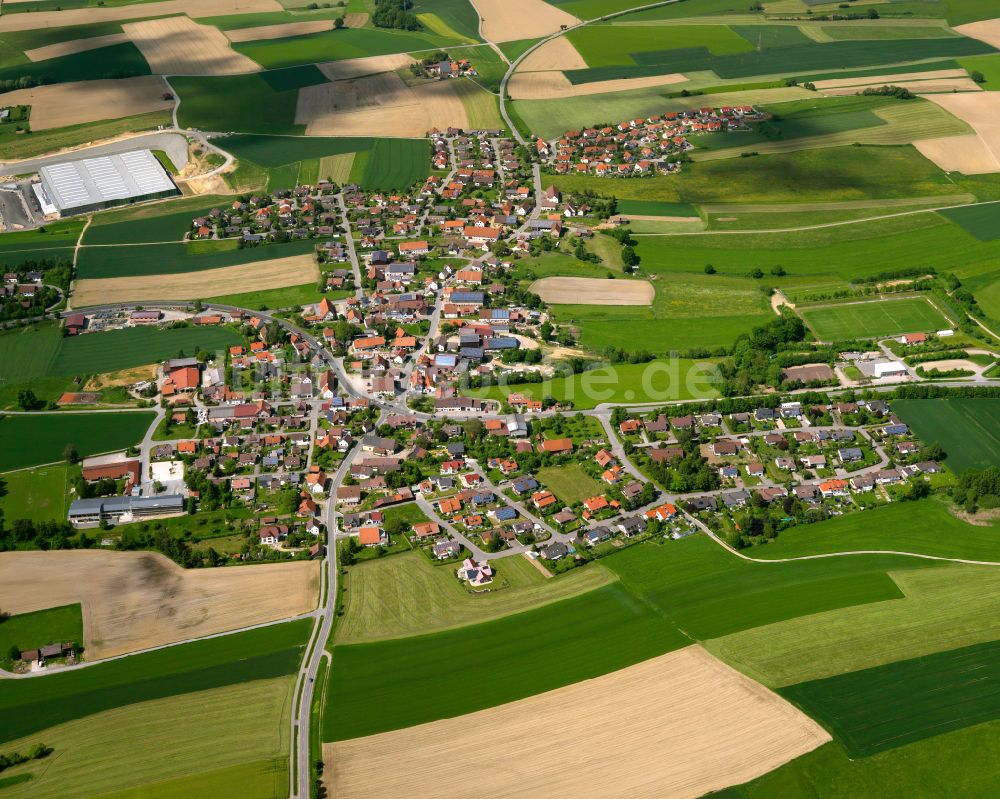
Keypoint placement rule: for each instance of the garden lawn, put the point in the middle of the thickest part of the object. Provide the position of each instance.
(570, 483)
(558, 644)
(967, 429)
(237, 725)
(887, 706)
(873, 319)
(29, 706)
(925, 527)
(405, 595)
(656, 381)
(34, 630)
(42, 438)
(36, 494)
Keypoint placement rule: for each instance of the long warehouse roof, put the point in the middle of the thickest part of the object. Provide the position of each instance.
(73, 184)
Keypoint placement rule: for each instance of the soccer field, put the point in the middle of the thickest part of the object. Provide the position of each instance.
(873, 319)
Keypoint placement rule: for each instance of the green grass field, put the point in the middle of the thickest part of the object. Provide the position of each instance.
(276, 298)
(945, 607)
(28, 352)
(968, 429)
(657, 381)
(558, 644)
(158, 259)
(38, 439)
(396, 163)
(150, 223)
(570, 482)
(41, 142)
(926, 528)
(119, 60)
(244, 103)
(654, 208)
(982, 221)
(405, 595)
(30, 706)
(887, 706)
(272, 151)
(988, 297)
(56, 240)
(36, 494)
(612, 45)
(241, 728)
(33, 630)
(873, 319)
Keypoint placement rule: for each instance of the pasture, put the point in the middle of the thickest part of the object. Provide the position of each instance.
(570, 483)
(967, 429)
(656, 381)
(42, 438)
(685, 703)
(926, 528)
(405, 595)
(242, 723)
(137, 600)
(36, 494)
(30, 706)
(584, 637)
(887, 706)
(887, 317)
(41, 627)
(944, 607)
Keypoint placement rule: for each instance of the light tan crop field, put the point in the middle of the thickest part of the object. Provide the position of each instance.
(680, 725)
(137, 600)
(965, 84)
(259, 276)
(360, 67)
(75, 46)
(555, 85)
(281, 31)
(510, 20)
(180, 46)
(981, 110)
(85, 16)
(884, 80)
(379, 105)
(553, 55)
(61, 104)
(988, 30)
(593, 291)
(966, 154)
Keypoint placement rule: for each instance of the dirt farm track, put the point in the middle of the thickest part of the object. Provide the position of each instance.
(136, 600)
(693, 725)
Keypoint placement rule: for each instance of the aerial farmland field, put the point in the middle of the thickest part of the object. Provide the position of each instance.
(34, 440)
(873, 319)
(967, 429)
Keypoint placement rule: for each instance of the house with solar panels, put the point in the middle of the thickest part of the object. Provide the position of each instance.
(92, 184)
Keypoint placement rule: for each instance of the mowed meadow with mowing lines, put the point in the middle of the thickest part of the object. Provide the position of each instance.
(887, 317)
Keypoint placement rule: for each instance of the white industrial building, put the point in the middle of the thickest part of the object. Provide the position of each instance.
(77, 187)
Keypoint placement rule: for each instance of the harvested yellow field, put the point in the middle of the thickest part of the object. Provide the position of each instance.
(279, 31)
(510, 20)
(123, 377)
(179, 46)
(137, 600)
(557, 54)
(966, 154)
(889, 80)
(86, 16)
(356, 19)
(361, 67)
(380, 105)
(592, 291)
(259, 276)
(75, 46)
(988, 30)
(336, 167)
(935, 86)
(981, 110)
(554, 85)
(680, 725)
(60, 104)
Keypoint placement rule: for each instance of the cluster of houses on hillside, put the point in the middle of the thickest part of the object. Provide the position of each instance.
(639, 146)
